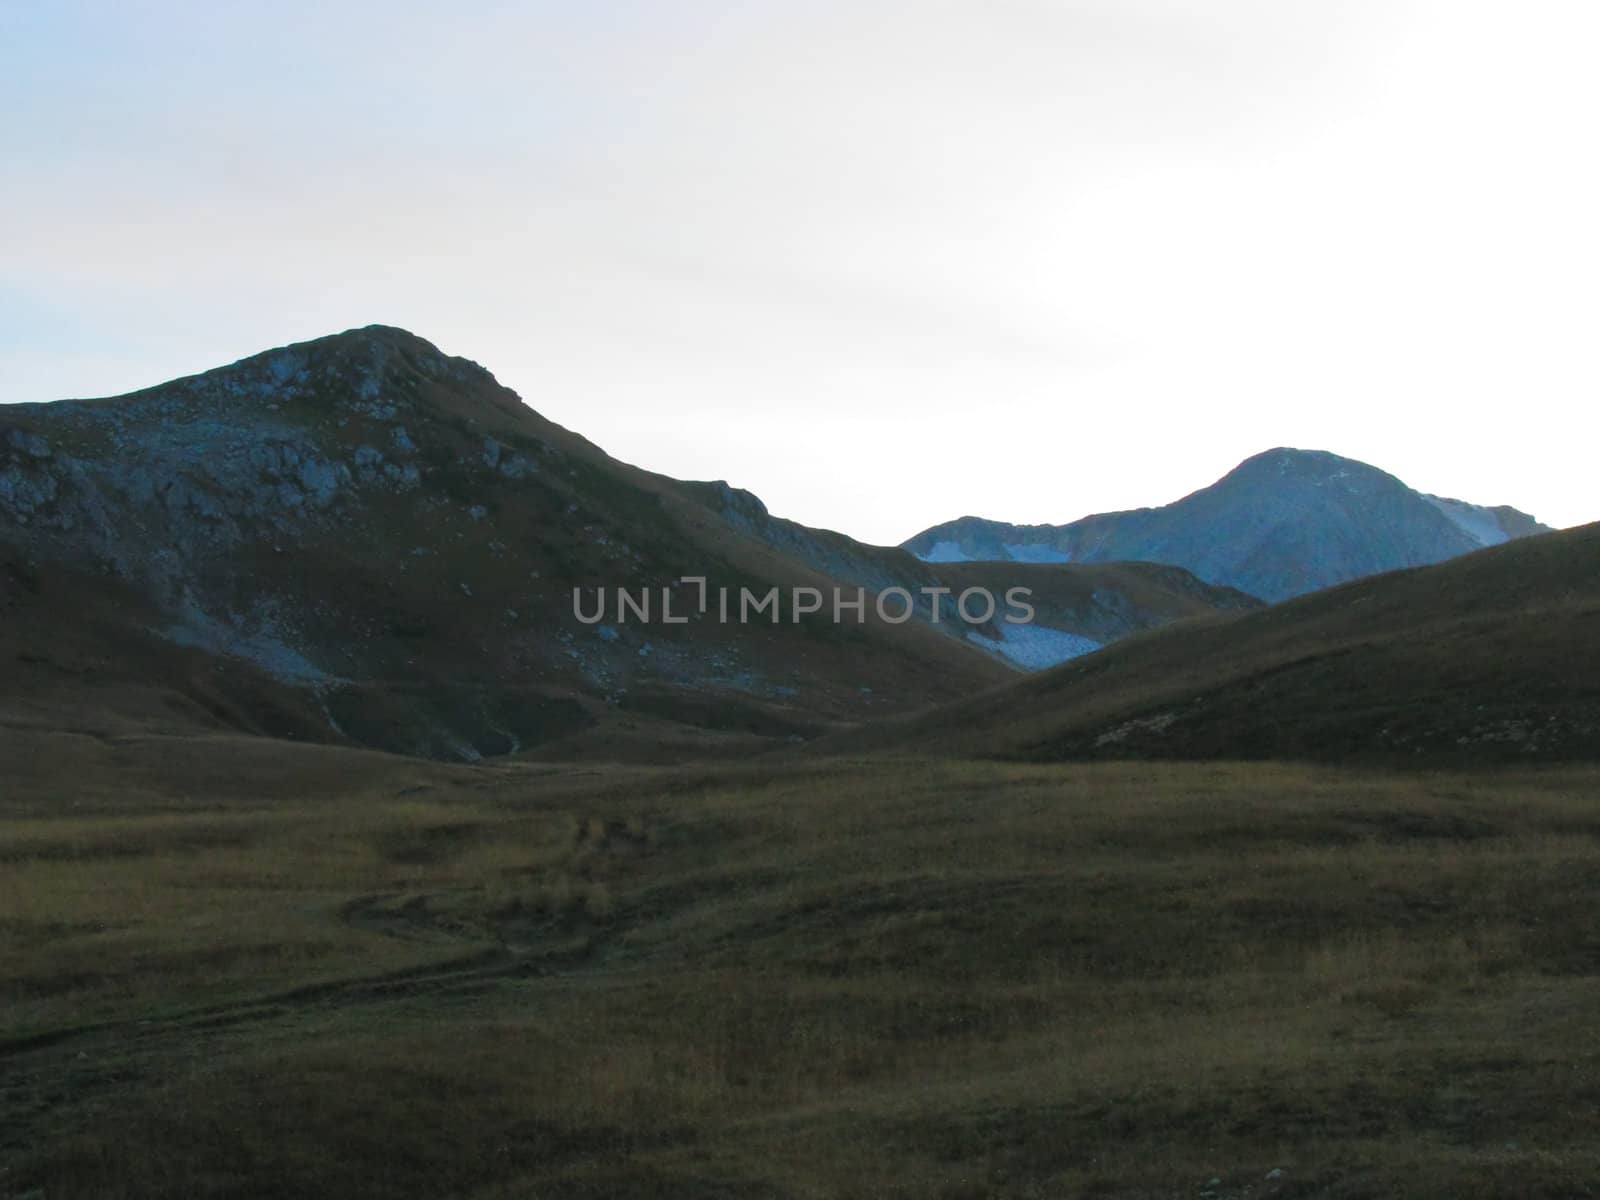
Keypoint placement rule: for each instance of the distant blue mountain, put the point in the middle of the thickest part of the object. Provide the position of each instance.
(1280, 524)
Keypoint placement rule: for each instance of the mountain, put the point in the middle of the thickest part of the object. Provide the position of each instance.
(1489, 657)
(1078, 607)
(1280, 524)
(389, 537)
(361, 539)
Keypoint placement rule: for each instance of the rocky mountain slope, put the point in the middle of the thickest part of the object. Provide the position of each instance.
(363, 539)
(1281, 524)
(1488, 657)
(394, 537)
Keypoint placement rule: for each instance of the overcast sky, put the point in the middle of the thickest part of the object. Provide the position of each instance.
(883, 263)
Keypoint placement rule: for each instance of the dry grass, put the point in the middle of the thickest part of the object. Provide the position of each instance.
(908, 979)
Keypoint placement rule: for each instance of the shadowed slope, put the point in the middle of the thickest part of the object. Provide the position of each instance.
(1488, 657)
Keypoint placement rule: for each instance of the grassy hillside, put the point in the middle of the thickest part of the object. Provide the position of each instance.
(230, 967)
(391, 535)
(1489, 657)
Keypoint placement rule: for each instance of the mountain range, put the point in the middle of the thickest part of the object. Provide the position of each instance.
(363, 540)
(1280, 524)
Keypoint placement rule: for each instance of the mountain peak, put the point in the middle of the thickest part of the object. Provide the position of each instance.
(1287, 460)
(373, 340)
(368, 359)
(370, 371)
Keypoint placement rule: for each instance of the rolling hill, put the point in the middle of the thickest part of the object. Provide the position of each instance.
(1489, 657)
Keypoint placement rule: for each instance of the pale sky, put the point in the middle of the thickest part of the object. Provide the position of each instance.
(882, 263)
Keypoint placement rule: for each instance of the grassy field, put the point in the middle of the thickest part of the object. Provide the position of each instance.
(234, 968)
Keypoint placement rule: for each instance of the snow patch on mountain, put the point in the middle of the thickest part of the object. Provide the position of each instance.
(1477, 522)
(1033, 552)
(266, 646)
(941, 552)
(1028, 552)
(1034, 647)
